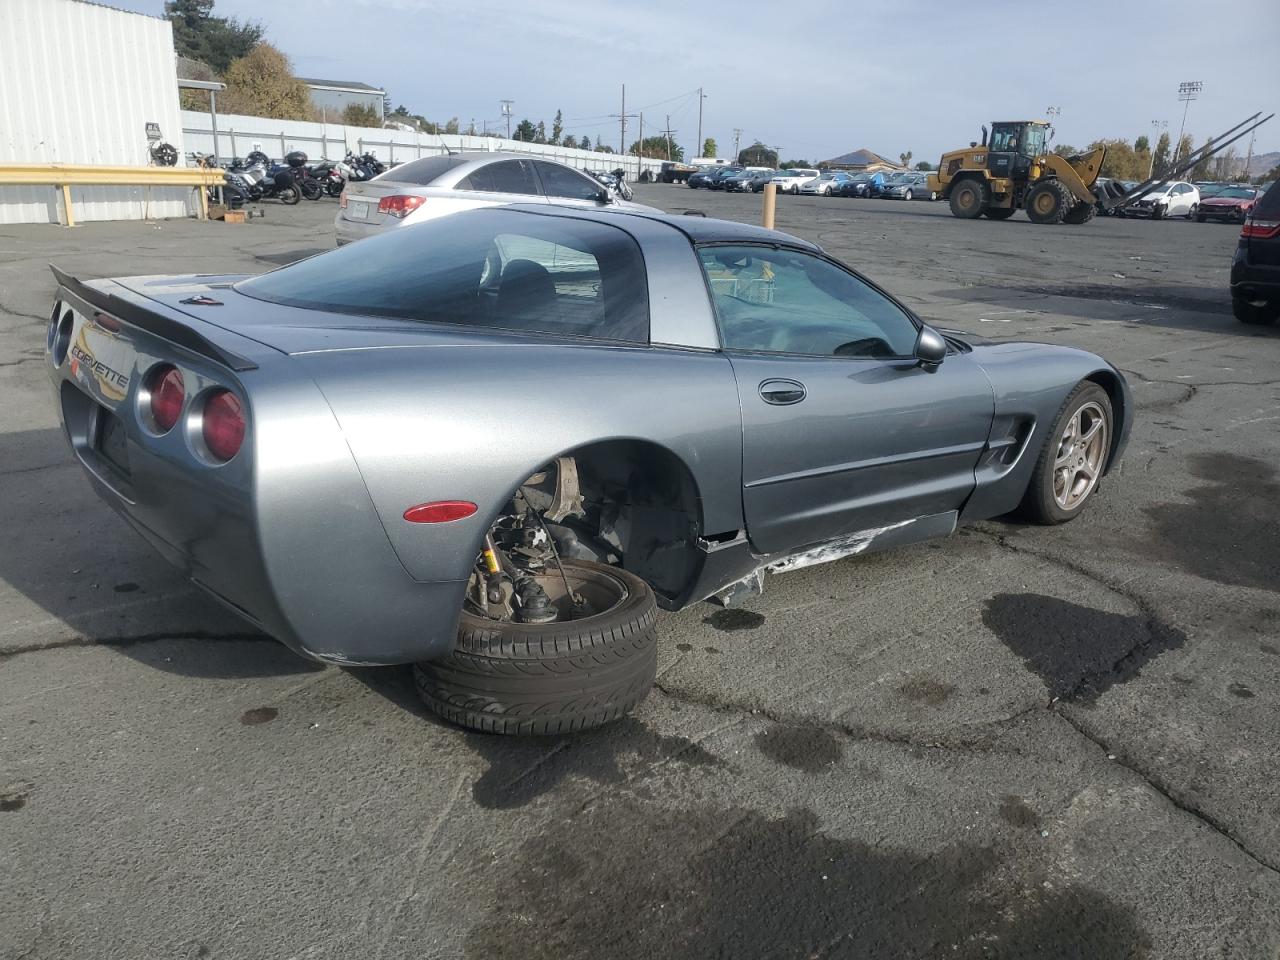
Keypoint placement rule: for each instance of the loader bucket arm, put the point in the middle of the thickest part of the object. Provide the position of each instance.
(1079, 172)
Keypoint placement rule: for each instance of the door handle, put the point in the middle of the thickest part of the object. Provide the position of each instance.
(782, 392)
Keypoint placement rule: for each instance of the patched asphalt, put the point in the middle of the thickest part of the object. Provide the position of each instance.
(1018, 742)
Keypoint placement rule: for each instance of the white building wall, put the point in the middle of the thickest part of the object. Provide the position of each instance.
(78, 84)
(238, 135)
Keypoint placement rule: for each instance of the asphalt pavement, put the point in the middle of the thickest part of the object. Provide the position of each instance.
(1019, 742)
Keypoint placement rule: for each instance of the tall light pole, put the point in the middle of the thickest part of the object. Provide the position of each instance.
(506, 112)
(737, 136)
(1157, 126)
(1187, 91)
(701, 96)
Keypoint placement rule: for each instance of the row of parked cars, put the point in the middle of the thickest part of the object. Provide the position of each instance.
(904, 185)
(1225, 202)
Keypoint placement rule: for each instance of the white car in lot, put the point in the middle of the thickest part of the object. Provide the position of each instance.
(433, 187)
(1177, 199)
(790, 181)
(824, 185)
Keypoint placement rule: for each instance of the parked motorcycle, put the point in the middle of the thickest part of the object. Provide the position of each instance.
(267, 182)
(327, 175)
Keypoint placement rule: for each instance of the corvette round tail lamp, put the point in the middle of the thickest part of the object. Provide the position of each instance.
(167, 394)
(222, 425)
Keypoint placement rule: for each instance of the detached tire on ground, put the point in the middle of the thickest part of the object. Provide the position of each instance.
(1073, 457)
(554, 678)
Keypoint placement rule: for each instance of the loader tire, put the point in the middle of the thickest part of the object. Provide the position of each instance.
(1048, 201)
(1081, 213)
(552, 678)
(999, 213)
(969, 198)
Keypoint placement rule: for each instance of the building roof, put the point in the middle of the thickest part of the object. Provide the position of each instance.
(351, 85)
(858, 158)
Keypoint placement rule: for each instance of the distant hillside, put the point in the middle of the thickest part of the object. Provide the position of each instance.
(1263, 162)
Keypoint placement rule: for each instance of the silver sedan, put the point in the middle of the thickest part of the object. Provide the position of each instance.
(433, 187)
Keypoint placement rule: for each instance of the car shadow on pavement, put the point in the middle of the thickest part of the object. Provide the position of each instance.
(73, 574)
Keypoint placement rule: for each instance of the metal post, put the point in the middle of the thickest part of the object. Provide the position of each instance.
(233, 144)
(324, 143)
(697, 148)
(213, 120)
(1187, 91)
(282, 150)
(770, 200)
(622, 144)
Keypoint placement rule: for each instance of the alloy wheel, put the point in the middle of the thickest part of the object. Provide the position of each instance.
(1082, 451)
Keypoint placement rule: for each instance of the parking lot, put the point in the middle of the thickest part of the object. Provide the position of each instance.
(1019, 742)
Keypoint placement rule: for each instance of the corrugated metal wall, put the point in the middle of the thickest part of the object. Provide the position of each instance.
(78, 84)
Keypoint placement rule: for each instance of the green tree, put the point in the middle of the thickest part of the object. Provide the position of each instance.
(557, 129)
(1203, 170)
(905, 158)
(924, 165)
(1065, 150)
(1121, 161)
(1185, 146)
(217, 41)
(655, 147)
(526, 131)
(540, 133)
(758, 155)
(709, 147)
(360, 115)
(1160, 162)
(262, 84)
(1142, 144)
(452, 126)
(585, 143)
(793, 164)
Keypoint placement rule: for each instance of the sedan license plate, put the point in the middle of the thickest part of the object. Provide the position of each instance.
(111, 441)
(357, 210)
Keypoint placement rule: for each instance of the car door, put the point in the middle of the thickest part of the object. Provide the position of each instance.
(504, 181)
(566, 186)
(843, 430)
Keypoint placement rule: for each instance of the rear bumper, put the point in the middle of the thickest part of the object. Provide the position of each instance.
(1252, 281)
(285, 534)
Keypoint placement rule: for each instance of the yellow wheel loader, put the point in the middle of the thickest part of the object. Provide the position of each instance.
(1014, 170)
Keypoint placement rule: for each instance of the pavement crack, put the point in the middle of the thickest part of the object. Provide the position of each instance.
(1174, 796)
(985, 743)
(1191, 388)
(131, 640)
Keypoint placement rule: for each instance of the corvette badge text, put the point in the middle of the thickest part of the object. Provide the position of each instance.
(106, 376)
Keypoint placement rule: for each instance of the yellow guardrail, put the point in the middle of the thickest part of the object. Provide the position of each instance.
(70, 175)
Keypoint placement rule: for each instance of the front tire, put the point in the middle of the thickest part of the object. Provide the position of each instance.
(290, 194)
(969, 198)
(1073, 459)
(554, 678)
(908, 195)
(1048, 202)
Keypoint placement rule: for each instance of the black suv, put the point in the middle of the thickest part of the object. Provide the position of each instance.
(1255, 271)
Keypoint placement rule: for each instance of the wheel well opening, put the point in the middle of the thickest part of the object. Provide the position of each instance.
(1110, 382)
(639, 508)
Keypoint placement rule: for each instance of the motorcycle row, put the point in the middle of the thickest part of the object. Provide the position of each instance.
(257, 177)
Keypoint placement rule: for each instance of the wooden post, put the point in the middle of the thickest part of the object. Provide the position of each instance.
(204, 201)
(770, 199)
(66, 206)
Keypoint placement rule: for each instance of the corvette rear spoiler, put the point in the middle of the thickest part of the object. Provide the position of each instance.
(175, 331)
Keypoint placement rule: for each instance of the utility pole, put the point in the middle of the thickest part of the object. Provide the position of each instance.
(1187, 91)
(698, 147)
(669, 132)
(640, 141)
(622, 148)
(506, 112)
(737, 136)
(1249, 157)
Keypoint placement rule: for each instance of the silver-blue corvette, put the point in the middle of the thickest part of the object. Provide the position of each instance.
(493, 444)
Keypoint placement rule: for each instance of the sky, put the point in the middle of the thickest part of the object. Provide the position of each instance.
(818, 79)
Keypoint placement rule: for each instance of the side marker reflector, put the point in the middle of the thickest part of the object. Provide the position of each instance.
(440, 511)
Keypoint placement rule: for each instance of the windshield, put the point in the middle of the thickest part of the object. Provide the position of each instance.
(490, 268)
(1240, 193)
(827, 176)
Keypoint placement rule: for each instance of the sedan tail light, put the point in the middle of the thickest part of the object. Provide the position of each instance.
(167, 395)
(222, 425)
(1260, 229)
(400, 205)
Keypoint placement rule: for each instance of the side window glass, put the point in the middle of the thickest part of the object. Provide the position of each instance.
(562, 182)
(506, 176)
(785, 301)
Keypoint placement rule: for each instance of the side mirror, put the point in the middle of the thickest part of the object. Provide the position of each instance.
(604, 196)
(931, 347)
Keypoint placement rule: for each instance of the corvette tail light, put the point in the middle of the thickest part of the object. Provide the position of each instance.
(400, 205)
(222, 425)
(440, 511)
(167, 395)
(1260, 229)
